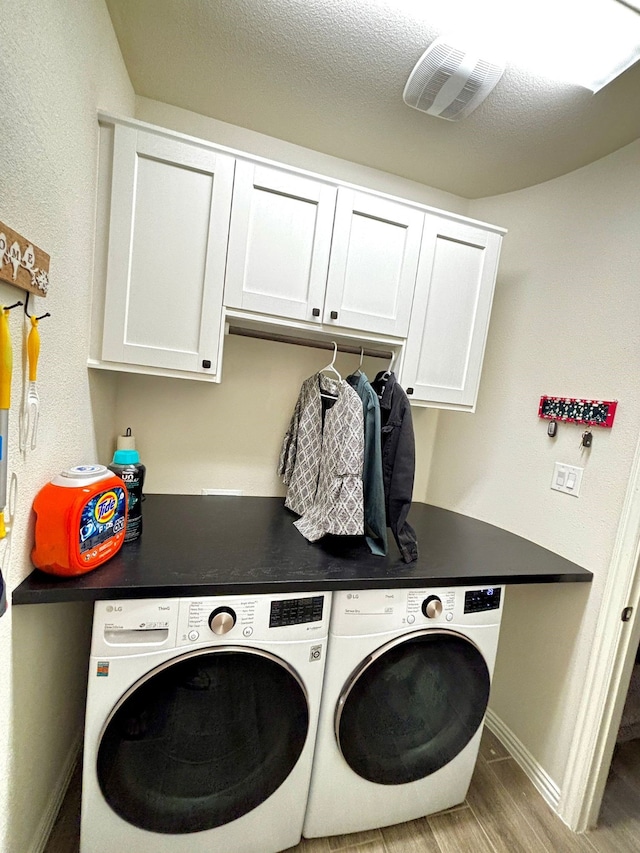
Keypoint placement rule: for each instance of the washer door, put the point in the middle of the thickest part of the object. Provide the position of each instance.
(412, 706)
(202, 740)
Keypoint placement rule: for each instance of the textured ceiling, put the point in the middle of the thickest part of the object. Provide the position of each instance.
(329, 75)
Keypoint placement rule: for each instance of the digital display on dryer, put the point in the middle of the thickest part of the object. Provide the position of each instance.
(477, 600)
(296, 611)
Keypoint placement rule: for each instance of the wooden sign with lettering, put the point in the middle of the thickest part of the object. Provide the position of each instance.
(21, 263)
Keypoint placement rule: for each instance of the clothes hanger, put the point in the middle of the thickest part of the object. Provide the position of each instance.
(327, 395)
(358, 370)
(381, 382)
(332, 364)
(389, 369)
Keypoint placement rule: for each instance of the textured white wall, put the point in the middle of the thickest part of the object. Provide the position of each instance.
(262, 145)
(565, 322)
(59, 62)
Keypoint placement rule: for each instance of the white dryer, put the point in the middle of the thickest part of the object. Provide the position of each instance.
(200, 723)
(406, 689)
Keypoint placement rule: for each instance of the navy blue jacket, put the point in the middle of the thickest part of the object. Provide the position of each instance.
(398, 461)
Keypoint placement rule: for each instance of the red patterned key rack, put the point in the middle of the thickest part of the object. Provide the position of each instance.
(578, 411)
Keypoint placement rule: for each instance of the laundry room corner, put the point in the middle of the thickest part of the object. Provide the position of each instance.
(497, 464)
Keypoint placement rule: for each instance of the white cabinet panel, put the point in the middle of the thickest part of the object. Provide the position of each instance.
(169, 223)
(450, 316)
(279, 242)
(195, 229)
(374, 258)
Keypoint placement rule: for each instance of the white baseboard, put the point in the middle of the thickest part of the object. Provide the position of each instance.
(55, 800)
(543, 783)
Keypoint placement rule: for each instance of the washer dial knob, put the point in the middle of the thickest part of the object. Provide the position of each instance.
(432, 606)
(222, 620)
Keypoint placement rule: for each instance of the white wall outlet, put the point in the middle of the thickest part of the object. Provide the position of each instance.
(567, 479)
(237, 492)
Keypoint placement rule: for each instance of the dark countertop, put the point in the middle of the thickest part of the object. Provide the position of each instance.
(216, 545)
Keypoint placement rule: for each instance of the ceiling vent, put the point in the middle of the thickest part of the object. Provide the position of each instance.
(450, 81)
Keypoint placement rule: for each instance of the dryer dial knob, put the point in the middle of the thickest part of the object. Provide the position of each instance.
(432, 607)
(222, 620)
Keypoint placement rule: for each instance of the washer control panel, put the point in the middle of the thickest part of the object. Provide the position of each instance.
(203, 619)
(233, 619)
(296, 611)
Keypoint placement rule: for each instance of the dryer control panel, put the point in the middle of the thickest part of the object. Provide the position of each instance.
(418, 604)
(375, 611)
(479, 600)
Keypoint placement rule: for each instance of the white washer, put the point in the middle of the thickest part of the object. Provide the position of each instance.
(200, 723)
(406, 689)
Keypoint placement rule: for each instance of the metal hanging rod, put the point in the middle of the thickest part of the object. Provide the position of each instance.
(353, 349)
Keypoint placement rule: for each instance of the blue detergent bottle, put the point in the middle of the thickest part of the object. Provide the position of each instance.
(126, 464)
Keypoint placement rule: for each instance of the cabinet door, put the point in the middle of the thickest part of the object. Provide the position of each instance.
(279, 243)
(169, 224)
(450, 316)
(374, 258)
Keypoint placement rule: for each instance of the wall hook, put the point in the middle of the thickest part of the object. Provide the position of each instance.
(26, 309)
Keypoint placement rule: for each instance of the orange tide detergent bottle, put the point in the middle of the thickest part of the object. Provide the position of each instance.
(81, 517)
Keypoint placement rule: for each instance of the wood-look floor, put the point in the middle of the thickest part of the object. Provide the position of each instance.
(503, 813)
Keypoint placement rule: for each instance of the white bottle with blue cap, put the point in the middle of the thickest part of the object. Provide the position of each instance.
(126, 464)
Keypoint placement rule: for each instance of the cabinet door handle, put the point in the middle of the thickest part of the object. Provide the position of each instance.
(409, 390)
(334, 315)
(206, 364)
(316, 312)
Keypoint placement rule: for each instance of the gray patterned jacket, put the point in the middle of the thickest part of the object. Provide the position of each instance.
(322, 465)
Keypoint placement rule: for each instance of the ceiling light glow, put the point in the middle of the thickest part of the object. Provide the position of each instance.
(583, 42)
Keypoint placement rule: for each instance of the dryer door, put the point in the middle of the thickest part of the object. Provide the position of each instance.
(202, 740)
(412, 706)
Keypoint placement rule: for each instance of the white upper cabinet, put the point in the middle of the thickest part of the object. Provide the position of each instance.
(190, 236)
(450, 316)
(168, 231)
(289, 257)
(279, 242)
(373, 264)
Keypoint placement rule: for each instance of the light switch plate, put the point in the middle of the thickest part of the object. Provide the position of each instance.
(567, 479)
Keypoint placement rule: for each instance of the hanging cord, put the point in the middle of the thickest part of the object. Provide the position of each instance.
(6, 369)
(5, 542)
(6, 500)
(30, 409)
